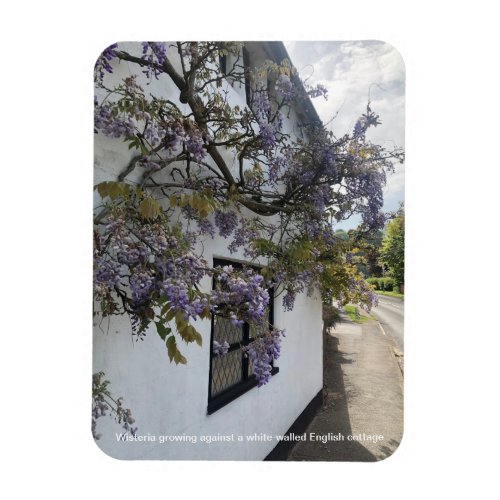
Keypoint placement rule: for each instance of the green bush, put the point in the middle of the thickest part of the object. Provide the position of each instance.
(389, 284)
(386, 284)
(331, 315)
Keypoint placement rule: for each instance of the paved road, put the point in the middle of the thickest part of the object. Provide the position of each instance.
(390, 313)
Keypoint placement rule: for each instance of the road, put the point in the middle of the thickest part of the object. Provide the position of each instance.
(390, 314)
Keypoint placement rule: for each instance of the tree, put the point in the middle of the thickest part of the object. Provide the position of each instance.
(367, 251)
(393, 248)
(201, 166)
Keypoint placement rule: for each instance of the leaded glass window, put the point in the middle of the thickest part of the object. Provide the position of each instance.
(231, 374)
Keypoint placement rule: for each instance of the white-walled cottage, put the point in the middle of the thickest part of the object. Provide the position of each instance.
(179, 409)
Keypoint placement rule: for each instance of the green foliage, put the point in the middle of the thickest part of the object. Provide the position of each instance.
(354, 314)
(149, 208)
(393, 249)
(341, 235)
(162, 330)
(114, 190)
(331, 316)
(383, 284)
(200, 164)
(391, 294)
(174, 353)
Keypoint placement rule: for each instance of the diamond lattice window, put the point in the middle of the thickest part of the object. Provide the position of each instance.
(231, 374)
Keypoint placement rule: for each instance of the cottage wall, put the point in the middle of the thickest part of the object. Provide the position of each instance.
(171, 400)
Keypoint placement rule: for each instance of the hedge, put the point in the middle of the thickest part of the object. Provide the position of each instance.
(386, 284)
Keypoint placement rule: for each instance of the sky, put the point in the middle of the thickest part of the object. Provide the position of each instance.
(353, 72)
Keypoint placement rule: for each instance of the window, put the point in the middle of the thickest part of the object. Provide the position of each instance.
(223, 64)
(246, 65)
(231, 374)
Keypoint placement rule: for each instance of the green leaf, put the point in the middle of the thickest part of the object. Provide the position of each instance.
(180, 322)
(189, 334)
(112, 189)
(173, 352)
(170, 315)
(162, 330)
(179, 358)
(171, 348)
(198, 338)
(149, 208)
(205, 313)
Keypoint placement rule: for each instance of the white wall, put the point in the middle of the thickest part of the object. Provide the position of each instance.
(169, 399)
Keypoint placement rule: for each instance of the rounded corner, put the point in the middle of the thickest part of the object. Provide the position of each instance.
(105, 452)
(395, 49)
(103, 54)
(393, 452)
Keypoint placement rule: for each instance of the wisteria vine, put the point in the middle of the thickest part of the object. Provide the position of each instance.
(277, 201)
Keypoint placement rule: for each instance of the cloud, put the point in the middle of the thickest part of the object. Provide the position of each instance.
(355, 72)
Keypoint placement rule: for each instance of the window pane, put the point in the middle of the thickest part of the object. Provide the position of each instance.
(224, 330)
(259, 330)
(226, 371)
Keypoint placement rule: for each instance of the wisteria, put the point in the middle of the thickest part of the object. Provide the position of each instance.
(262, 352)
(363, 292)
(102, 64)
(154, 53)
(261, 105)
(219, 348)
(200, 168)
(104, 404)
(111, 124)
(242, 235)
(226, 222)
(284, 88)
(154, 263)
(177, 134)
(107, 274)
(206, 227)
(267, 135)
(317, 91)
(242, 294)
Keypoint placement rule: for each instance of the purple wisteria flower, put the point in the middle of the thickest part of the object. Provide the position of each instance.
(155, 54)
(107, 274)
(241, 294)
(262, 352)
(102, 64)
(110, 123)
(242, 236)
(220, 348)
(284, 88)
(318, 90)
(267, 135)
(226, 222)
(206, 227)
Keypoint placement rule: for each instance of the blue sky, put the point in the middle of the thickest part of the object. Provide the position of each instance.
(353, 71)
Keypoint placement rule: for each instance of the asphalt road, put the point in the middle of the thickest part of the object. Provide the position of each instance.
(390, 314)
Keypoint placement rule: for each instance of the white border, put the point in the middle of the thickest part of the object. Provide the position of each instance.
(452, 110)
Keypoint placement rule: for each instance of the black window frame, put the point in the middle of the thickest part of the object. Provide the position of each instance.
(246, 66)
(248, 381)
(223, 63)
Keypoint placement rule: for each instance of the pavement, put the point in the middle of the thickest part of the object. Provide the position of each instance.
(361, 419)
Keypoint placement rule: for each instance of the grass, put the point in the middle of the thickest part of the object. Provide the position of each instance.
(354, 315)
(390, 294)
